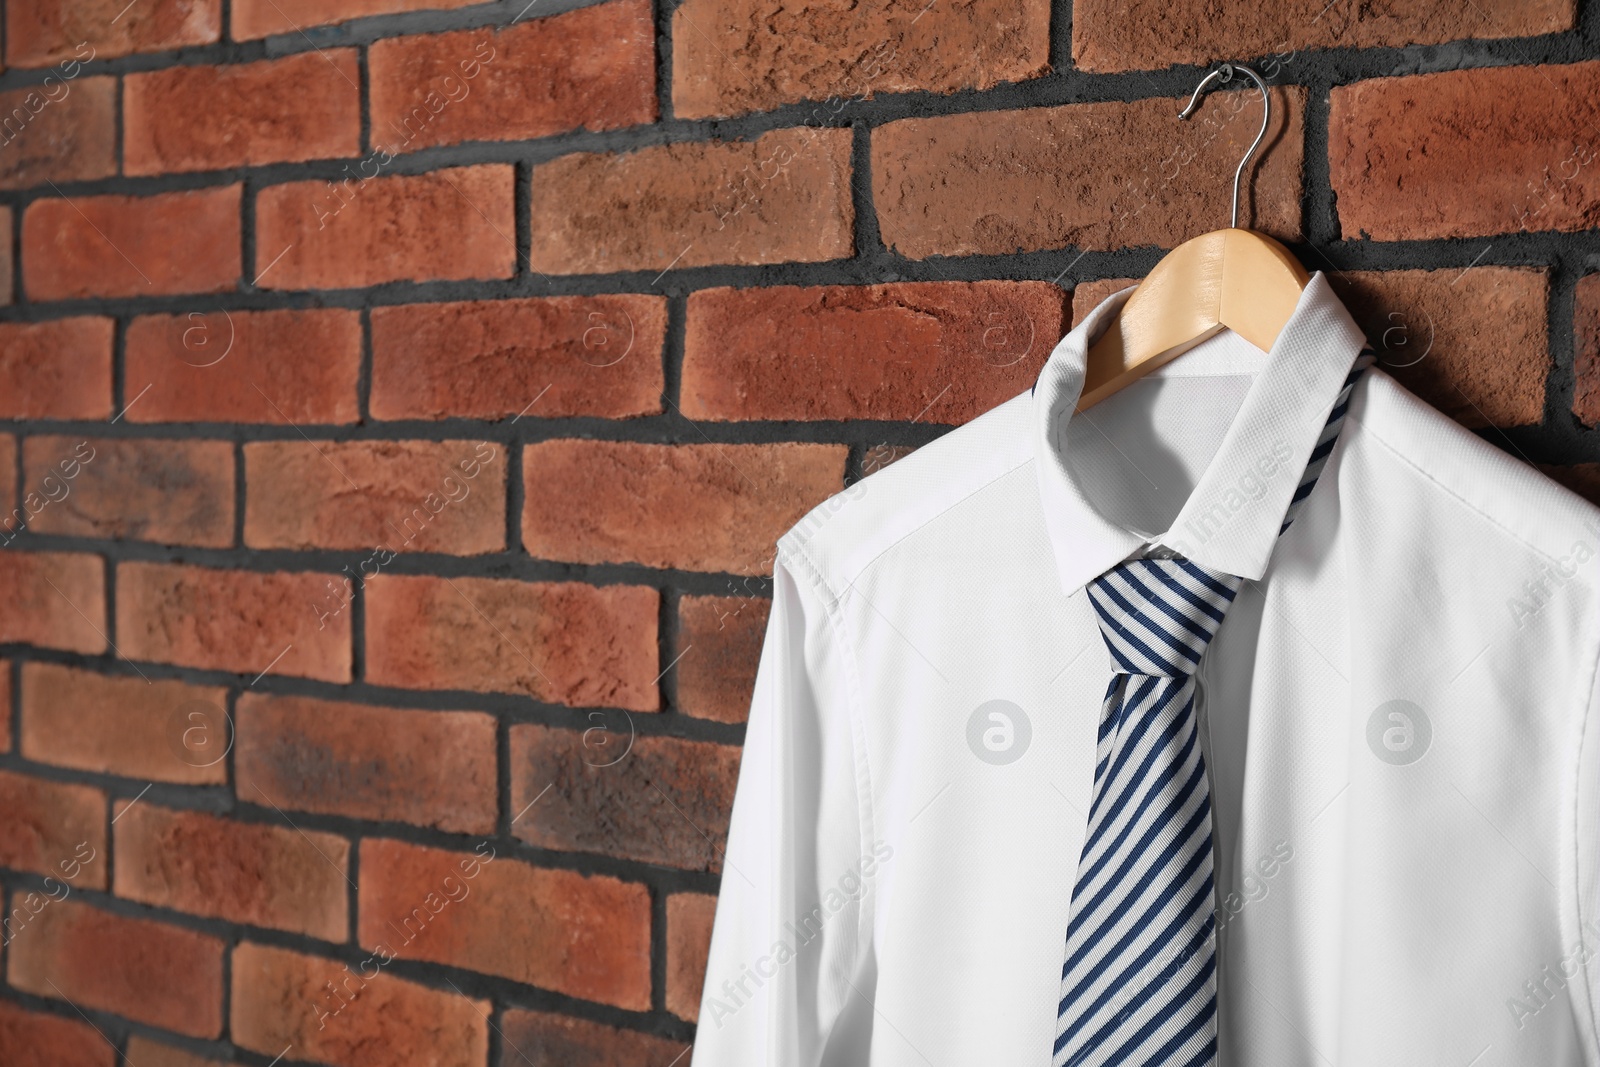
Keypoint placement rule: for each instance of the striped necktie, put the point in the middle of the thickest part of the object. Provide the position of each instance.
(1139, 983)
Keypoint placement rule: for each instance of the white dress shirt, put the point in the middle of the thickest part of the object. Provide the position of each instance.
(1399, 715)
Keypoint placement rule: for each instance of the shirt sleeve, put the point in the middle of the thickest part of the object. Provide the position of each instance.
(787, 945)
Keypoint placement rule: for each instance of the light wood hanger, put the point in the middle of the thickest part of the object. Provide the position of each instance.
(1232, 279)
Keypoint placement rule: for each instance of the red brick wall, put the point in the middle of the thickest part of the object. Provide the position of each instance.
(399, 401)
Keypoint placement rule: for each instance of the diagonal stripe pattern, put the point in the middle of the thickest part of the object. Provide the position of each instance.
(1138, 985)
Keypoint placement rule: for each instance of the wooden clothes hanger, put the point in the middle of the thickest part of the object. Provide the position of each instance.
(1236, 279)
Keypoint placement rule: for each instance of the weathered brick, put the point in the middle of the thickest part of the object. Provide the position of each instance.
(279, 367)
(13, 510)
(735, 56)
(709, 202)
(135, 489)
(548, 357)
(1091, 176)
(146, 971)
(941, 352)
(1586, 350)
(1467, 152)
(428, 768)
(53, 828)
(60, 369)
(53, 600)
(5, 706)
(8, 276)
(32, 1039)
(273, 876)
(695, 507)
(1086, 296)
(159, 730)
(665, 801)
(593, 68)
(544, 1037)
(42, 32)
(401, 496)
(186, 242)
(581, 935)
(142, 1052)
(689, 917)
(1471, 343)
(719, 645)
(446, 224)
(350, 1015)
(563, 642)
(264, 18)
(227, 620)
(59, 131)
(1145, 34)
(305, 106)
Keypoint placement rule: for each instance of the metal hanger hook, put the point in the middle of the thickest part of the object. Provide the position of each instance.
(1222, 75)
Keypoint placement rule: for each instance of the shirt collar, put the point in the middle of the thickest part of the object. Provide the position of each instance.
(1218, 527)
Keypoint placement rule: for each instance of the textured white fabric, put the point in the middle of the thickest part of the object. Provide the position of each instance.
(1399, 719)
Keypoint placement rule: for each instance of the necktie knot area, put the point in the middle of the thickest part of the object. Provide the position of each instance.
(1158, 615)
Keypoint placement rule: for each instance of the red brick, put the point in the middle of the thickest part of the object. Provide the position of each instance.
(689, 917)
(427, 768)
(30, 1039)
(719, 646)
(58, 131)
(184, 242)
(264, 18)
(1086, 296)
(146, 971)
(277, 367)
(160, 730)
(443, 225)
(1586, 350)
(12, 513)
(1469, 152)
(42, 32)
(546, 1038)
(142, 1052)
(695, 507)
(735, 56)
(350, 1015)
(305, 106)
(8, 275)
(60, 369)
(1146, 34)
(400, 496)
(1091, 176)
(53, 828)
(911, 351)
(273, 876)
(665, 801)
(5, 706)
(593, 68)
(1471, 343)
(709, 202)
(53, 600)
(135, 489)
(563, 642)
(580, 935)
(226, 620)
(548, 357)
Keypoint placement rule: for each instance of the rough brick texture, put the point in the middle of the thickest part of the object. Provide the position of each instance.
(28, 1037)
(719, 645)
(306, 106)
(147, 1053)
(5, 706)
(592, 68)
(53, 599)
(446, 224)
(8, 271)
(294, 367)
(562, 642)
(58, 132)
(784, 197)
(733, 56)
(1467, 152)
(43, 33)
(543, 1037)
(265, 18)
(350, 1015)
(429, 768)
(915, 351)
(695, 507)
(171, 492)
(585, 936)
(147, 971)
(545, 357)
(157, 730)
(1586, 334)
(56, 370)
(55, 829)
(689, 917)
(168, 243)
